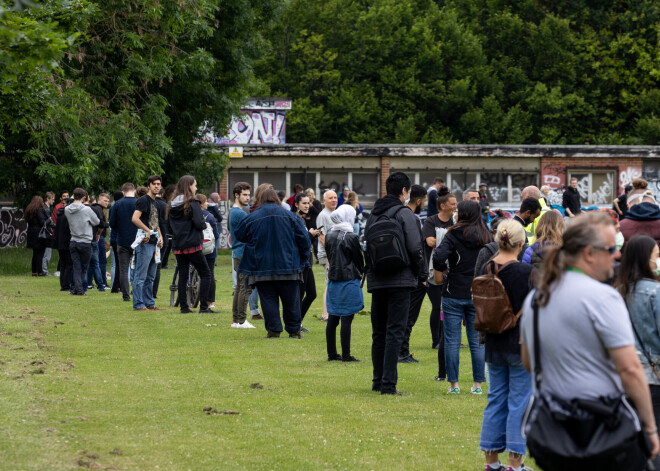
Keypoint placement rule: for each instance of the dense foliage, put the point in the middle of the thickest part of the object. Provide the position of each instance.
(468, 71)
(98, 92)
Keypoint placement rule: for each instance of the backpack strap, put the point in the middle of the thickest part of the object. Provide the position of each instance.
(492, 267)
(538, 373)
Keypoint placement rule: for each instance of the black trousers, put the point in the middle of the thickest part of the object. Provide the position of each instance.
(125, 254)
(156, 280)
(211, 263)
(655, 400)
(167, 248)
(416, 299)
(270, 294)
(344, 335)
(437, 330)
(389, 317)
(66, 270)
(81, 254)
(307, 291)
(197, 260)
(116, 283)
(37, 259)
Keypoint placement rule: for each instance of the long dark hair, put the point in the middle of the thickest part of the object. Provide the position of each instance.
(183, 188)
(34, 207)
(635, 263)
(469, 218)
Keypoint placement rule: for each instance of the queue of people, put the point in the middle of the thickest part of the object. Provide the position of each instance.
(592, 283)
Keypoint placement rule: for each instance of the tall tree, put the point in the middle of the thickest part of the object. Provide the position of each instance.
(126, 89)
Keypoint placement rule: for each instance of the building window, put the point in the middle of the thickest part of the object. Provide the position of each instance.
(594, 187)
(277, 179)
(235, 177)
(366, 187)
(333, 181)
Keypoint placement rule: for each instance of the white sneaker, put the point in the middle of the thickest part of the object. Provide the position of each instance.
(246, 325)
(211, 306)
(57, 273)
(236, 325)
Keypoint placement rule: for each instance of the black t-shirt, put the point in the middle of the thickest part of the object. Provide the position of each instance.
(428, 230)
(518, 280)
(146, 205)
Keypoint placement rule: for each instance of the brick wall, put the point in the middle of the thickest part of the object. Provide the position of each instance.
(384, 174)
(223, 191)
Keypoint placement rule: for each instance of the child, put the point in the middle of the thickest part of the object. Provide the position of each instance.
(344, 297)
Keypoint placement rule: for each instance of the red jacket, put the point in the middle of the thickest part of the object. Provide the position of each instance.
(630, 227)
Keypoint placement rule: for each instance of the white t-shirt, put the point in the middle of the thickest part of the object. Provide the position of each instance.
(324, 219)
(583, 319)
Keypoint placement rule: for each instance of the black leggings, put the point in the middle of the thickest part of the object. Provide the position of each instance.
(344, 335)
(37, 259)
(197, 259)
(307, 292)
(437, 331)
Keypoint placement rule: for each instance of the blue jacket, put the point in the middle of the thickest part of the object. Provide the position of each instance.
(121, 220)
(644, 307)
(208, 217)
(276, 242)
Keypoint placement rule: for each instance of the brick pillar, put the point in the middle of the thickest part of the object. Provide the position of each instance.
(384, 174)
(223, 190)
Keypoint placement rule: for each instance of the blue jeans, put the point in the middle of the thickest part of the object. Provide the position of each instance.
(508, 394)
(253, 301)
(145, 272)
(103, 260)
(93, 271)
(454, 310)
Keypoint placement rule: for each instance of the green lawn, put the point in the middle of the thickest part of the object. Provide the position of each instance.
(89, 384)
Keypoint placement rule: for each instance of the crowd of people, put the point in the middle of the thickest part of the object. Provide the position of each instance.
(586, 284)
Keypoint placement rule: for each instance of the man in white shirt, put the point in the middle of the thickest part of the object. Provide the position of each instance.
(324, 224)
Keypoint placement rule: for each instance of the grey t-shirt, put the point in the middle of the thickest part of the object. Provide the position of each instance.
(324, 219)
(583, 319)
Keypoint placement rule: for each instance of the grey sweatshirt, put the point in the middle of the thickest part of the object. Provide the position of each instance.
(81, 219)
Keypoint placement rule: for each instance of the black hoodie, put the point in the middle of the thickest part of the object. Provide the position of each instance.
(409, 276)
(461, 253)
(186, 228)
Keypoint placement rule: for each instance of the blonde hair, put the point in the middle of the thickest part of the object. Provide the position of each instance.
(585, 230)
(551, 228)
(510, 235)
(352, 199)
(310, 192)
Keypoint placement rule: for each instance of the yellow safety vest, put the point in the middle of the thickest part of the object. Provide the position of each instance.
(530, 230)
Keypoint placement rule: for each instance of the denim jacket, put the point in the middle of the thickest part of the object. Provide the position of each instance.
(276, 242)
(644, 307)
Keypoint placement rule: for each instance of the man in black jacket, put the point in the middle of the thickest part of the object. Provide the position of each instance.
(390, 292)
(571, 199)
(94, 269)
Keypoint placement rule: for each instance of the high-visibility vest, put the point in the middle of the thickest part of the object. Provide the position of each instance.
(530, 230)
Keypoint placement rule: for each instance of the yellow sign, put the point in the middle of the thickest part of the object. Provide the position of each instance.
(235, 152)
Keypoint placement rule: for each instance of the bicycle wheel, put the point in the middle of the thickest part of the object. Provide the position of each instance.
(194, 282)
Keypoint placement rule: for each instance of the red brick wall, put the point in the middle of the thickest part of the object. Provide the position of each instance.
(222, 187)
(555, 170)
(384, 174)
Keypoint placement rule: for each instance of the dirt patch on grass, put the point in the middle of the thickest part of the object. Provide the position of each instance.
(212, 411)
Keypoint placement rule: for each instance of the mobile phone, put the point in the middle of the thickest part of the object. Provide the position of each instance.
(320, 227)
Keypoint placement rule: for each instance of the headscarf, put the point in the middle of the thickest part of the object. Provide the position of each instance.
(343, 217)
(214, 197)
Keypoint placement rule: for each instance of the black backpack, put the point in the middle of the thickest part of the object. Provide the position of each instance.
(386, 244)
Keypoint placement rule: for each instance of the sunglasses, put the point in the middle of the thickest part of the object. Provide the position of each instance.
(611, 250)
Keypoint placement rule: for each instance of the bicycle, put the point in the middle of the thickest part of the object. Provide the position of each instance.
(192, 288)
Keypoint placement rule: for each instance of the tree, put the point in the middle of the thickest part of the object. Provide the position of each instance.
(471, 71)
(125, 89)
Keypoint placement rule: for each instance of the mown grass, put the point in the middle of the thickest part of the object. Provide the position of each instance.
(88, 383)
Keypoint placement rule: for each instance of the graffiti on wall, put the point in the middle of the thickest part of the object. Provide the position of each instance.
(223, 207)
(13, 228)
(627, 175)
(651, 172)
(553, 176)
(602, 195)
(256, 127)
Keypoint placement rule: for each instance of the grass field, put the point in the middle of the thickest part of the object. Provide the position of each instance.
(89, 384)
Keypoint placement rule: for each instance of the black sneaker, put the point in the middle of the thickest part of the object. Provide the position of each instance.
(349, 359)
(441, 378)
(303, 330)
(207, 311)
(185, 310)
(408, 359)
(335, 357)
(296, 335)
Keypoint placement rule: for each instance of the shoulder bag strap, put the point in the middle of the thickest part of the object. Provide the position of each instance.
(538, 373)
(646, 353)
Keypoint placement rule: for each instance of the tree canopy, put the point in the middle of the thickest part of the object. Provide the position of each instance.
(96, 93)
(468, 71)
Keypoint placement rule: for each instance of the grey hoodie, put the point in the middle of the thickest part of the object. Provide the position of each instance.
(81, 219)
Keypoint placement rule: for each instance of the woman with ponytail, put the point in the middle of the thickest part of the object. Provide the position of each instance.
(587, 346)
(510, 385)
